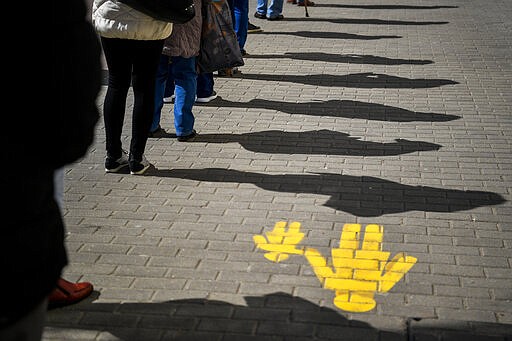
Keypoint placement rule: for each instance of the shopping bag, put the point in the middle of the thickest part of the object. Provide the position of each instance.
(219, 44)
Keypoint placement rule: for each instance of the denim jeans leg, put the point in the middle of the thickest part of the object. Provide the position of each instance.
(261, 7)
(205, 84)
(169, 84)
(160, 84)
(185, 80)
(275, 8)
(241, 21)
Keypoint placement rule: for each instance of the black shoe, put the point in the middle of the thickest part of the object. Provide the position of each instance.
(279, 17)
(260, 16)
(159, 132)
(188, 137)
(139, 167)
(114, 165)
(253, 28)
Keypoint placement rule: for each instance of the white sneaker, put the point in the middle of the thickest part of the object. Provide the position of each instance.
(207, 99)
(139, 167)
(169, 99)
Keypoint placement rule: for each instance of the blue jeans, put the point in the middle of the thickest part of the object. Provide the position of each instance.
(169, 85)
(272, 10)
(240, 17)
(183, 71)
(205, 84)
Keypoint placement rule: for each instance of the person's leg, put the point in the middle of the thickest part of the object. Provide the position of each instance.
(146, 58)
(58, 187)
(241, 15)
(275, 9)
(205, 83)
(261, 9)
(160, 86)
(169, 85)
(119, 65)
(185, 82)
(231, 4)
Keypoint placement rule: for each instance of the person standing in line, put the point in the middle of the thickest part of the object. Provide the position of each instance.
(132, 43)
(179, 55)
(32, 249)
(269, 9)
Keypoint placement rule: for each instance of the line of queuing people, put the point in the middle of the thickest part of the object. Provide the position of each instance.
(140, 52)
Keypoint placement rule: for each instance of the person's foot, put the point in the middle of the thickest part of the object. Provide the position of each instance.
(66, 293)
(169, 99)
(139, 167)
(253, 28)
(309, 3)
(185, 138)
(230, 72)
(260, 16)
(157, 133)
(114, 165)
(279, 17)
(207, 99)
(292, 1)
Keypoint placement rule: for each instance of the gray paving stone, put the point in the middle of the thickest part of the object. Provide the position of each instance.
(172, 256)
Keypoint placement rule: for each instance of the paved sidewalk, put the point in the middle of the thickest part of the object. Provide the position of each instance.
(387, 122)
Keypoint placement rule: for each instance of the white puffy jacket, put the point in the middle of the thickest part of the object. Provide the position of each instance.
(114, 19)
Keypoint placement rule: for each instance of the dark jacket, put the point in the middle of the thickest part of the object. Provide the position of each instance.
(56, 129)
(185, 39)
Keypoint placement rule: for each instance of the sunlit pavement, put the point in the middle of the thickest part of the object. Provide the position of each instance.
(353, 183)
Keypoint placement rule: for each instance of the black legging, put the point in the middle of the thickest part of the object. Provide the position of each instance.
(130, 62)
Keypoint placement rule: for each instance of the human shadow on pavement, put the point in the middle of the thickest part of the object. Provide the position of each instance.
(383, 6)
(367, 80)
(277, 316)
(322, 141)
(342, 58)
(329, 35)
(367, 21)
(272, 317)
(338, 108)
(361, 196)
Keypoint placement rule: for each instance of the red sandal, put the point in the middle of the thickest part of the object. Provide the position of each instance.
(66, 293)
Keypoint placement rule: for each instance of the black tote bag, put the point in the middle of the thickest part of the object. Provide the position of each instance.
(219, 44)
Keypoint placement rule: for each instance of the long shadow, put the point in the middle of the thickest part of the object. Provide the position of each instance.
(277, 316)
(342, 58)
(330, 35)
(382, 6)
(339, 108)
(361, 196)
(355, 80)
(368, 21)
(316, 142)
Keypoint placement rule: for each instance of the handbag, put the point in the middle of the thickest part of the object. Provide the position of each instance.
(219, 44)
(173, 11)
